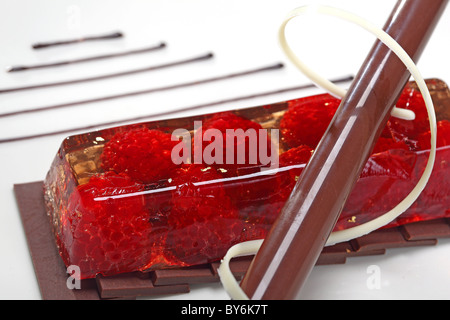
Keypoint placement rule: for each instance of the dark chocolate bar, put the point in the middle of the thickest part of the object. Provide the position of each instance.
(53, 279)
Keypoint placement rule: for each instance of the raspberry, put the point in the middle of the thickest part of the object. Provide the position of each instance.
(204, 241)
(240, 141)
(307, 119)
(142, 153)
(203, 222)
(386, 179)
(409, 130)
(296, 159)
(442, 137)
(384, 144)
(198, 191)
(107, 236)
(295, 156)
(261, 198)
(250, 196)
(258, 198)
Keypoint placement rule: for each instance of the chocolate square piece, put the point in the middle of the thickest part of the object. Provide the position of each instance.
(388, 238)
(196, 274)
(132, 285)
(427, 229)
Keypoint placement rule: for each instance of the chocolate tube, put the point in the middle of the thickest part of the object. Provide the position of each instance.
(295, 241)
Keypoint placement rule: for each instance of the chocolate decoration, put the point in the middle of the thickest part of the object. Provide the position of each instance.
(109, 76)
(86, 59)
(297, 238)
(52, 277)
(167, 113)
(41, 45)
(275, 66)
(131, 285)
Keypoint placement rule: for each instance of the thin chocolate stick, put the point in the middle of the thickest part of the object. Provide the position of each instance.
(86, 59)
(108, 76)
(147, 91)
(297, 237)
(166, 113)
(108, 36)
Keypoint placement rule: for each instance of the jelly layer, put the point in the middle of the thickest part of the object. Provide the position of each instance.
(118, 202)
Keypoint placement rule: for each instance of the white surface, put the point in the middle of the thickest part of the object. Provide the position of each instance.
(242, 35)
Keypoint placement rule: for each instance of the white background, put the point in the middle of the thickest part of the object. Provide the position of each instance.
(242, 35)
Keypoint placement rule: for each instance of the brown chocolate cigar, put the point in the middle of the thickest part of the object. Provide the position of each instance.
(297, 238)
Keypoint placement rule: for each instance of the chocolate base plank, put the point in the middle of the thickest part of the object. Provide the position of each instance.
(196, 274)
(387, 238)
(135, 285)
(427, 229)
(238, 266)
(49, 268)
(53, 278)
(338, 253)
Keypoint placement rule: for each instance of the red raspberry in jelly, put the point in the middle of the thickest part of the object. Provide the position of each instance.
(296, 156)
(204, 241)
(386, 179)
(240, 141)
(410, 130)
(107, 228)
(203, 222)
(199, 193)
(250, 191)
(442, 136)
(307, 119)
(263, 196)
(384, 144)
(292, 163)
(144, 154)
(258, 197)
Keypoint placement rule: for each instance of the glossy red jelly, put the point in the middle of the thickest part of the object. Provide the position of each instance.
(118, 201)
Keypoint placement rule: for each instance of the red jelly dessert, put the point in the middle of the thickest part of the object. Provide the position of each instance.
(119, 201)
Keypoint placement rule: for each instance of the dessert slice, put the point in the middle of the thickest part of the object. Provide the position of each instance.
(123, 199)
